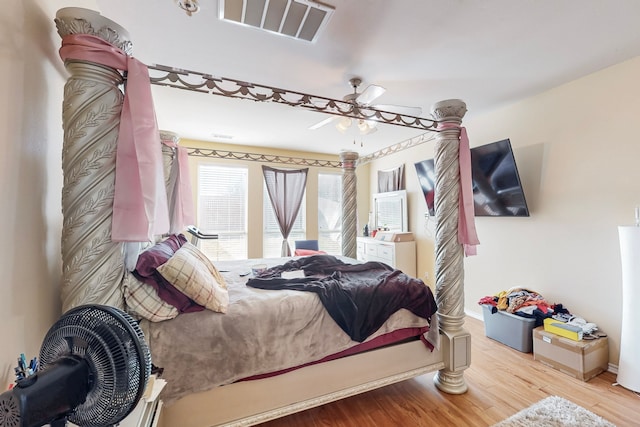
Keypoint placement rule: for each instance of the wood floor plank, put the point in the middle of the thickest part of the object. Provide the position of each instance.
(501, 381)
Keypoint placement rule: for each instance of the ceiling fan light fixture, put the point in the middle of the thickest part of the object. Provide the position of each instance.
(366, 126)
(189, 6)
(344, 124)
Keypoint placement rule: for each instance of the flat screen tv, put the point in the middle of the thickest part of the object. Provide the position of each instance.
(497, 190)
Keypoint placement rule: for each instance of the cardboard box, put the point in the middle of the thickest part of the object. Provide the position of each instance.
(509, 329)
(580, 359)
(561, 328)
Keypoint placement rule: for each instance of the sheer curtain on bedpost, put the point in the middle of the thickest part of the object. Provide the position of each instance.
(449, 268)
(286, 190)
(349, 204)
(93, 265)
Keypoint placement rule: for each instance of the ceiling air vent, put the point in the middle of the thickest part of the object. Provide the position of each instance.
(300, 19)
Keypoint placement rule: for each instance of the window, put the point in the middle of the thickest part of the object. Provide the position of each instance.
(222, 209)
(330, 213)
(272, 238)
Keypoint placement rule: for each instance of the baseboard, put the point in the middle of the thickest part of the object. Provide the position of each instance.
(474, 315)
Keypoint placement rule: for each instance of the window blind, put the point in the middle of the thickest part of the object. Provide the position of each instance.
(222, 209)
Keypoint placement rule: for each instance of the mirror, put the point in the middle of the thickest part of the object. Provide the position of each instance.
(390, 211)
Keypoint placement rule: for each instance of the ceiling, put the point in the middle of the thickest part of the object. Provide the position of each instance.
(489, 53)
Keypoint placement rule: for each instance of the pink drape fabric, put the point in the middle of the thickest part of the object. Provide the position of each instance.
(467, 235)
(140, 201)
(182, 210)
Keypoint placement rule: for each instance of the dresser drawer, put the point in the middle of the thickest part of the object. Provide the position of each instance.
(385, 253)
(400, 255)
(360, 253)
(371, 249)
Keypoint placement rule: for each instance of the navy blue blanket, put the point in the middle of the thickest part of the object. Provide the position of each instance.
(359, 297)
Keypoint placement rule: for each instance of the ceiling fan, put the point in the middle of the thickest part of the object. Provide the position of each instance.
(364, 99)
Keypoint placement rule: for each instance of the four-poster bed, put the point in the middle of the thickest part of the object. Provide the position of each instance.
(94, 268)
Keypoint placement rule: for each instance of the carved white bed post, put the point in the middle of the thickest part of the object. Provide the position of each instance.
(456, 341)
(169, 156)
(93, 265)
(349, 203)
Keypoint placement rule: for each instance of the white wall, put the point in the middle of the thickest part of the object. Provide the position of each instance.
(577, 152)
(30, 175)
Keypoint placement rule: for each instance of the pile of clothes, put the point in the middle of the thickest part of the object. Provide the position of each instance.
(526, 303)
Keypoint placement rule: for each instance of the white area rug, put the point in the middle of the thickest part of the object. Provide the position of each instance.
(554, 411)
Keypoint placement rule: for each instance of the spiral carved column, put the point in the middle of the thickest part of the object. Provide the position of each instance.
(449, 269)
(169, 156)
(349, 204)
(93, 265)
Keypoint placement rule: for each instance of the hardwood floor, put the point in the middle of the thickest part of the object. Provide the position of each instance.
(501, 382)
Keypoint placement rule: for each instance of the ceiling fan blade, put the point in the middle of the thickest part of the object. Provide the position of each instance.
(399, 109)
(369, 94)
(322, 123)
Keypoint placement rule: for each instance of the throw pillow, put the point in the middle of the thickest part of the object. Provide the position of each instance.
(158, 254)
(305, 252)
(193, 274)
(143, 301)
(147, 273)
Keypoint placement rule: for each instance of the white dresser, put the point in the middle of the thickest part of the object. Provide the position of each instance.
(399, 255)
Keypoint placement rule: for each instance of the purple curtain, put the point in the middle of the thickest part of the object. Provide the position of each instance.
(391, 179)
(286, 189)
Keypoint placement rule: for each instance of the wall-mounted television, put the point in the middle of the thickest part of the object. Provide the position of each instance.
(497, 190)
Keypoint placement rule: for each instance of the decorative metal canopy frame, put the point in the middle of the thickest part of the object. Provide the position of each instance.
(402, 145)
(266, 158)
(162, 75)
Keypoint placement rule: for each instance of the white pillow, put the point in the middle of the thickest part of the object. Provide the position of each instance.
(193, 274)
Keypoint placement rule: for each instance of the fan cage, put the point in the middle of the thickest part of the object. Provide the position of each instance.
(114, 347)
